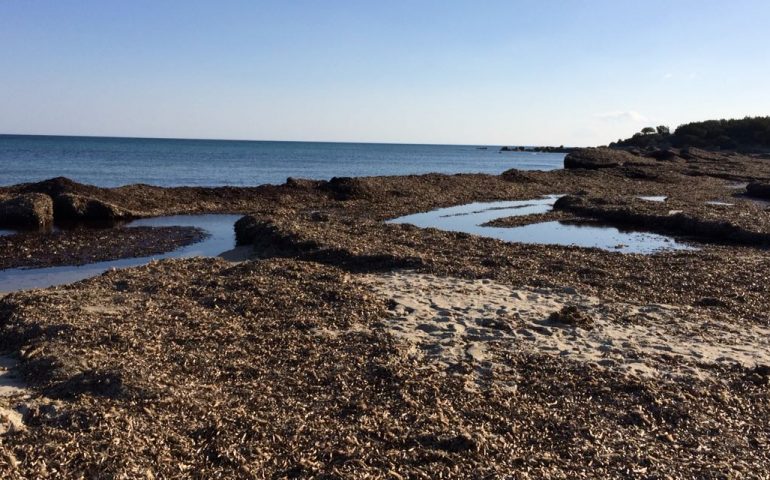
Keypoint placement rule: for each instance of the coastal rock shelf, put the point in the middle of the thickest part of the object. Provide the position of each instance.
(473, 219)
(220, 238)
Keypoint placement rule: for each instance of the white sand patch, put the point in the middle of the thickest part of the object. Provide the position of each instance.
(457, 322)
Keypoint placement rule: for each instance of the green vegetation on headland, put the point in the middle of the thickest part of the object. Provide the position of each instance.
(750, 134)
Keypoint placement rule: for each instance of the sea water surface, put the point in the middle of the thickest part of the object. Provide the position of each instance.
(111, 162)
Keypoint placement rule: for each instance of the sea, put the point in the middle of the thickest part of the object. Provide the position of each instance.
(111, 162)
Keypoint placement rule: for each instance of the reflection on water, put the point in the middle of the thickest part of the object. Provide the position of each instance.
(464, 218)
(221, 237)
(470, 218)
(653, 198)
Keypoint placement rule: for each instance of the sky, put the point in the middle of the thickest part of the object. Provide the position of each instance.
(493, 72)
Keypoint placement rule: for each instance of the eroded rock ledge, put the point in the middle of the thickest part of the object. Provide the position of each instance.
(645, 215)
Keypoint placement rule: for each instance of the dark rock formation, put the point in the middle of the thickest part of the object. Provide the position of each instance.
(30, 210)
(69, 207)
(246, 230)
(594, 158)
(302, 183)
(514, 175)
(53, 187)
(346, 188)
(628, 214)
(663, 154)
(268, 239)
(758, 190)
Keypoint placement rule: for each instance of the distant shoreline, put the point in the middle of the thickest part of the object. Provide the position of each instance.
(559, 149)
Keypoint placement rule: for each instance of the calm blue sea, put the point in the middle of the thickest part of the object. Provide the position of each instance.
(111, 162)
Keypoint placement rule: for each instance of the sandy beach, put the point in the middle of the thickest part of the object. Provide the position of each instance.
(333, 344)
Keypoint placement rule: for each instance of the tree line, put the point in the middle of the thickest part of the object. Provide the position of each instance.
(749, 134)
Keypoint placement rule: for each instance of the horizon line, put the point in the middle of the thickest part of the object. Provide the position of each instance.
(280, 141)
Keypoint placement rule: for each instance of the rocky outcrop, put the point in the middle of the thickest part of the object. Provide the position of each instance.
(616, 212)
(758, 190)
(246, 230)
(347, 188)
(303, 183)
(69, 207)
(595, 158)
(664, 155)
(517, 176)
(268, 239)
(30, 210)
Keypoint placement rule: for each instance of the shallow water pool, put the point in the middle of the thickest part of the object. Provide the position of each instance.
(221, 237)
(471, 218)
(653, 198)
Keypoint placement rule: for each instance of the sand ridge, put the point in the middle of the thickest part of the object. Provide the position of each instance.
(474, 322)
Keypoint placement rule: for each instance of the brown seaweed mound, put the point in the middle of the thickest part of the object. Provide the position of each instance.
(594, 158)
(69, 207)
(277, 369)
(30, 210)
(77, 247)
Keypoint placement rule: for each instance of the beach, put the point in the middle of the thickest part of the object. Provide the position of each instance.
(341, 342)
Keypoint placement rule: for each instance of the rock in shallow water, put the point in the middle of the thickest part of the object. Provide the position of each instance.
(30, 210)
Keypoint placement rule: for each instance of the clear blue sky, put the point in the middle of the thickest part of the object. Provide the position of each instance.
(487, 72)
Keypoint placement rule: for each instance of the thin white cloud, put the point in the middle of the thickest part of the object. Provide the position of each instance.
(623, 115)
(668, 75)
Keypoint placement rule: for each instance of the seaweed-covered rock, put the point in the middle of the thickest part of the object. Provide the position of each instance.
(56, 186)
(664, 155)
(758, 189)
(644, 215)
(569, 202)
(69, 207)
(30, 210)
(302, 183)
(246, 230)
(594, 158)
(347, 188)
(516, 176)
(573, 316)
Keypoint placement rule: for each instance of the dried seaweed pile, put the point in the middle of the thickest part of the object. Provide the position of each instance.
(283, 368)
(279, 369)
(78, 247)
(729, 281)
(146, 200)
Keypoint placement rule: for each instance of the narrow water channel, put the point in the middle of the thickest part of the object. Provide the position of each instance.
(471, 218)
(220, 238)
